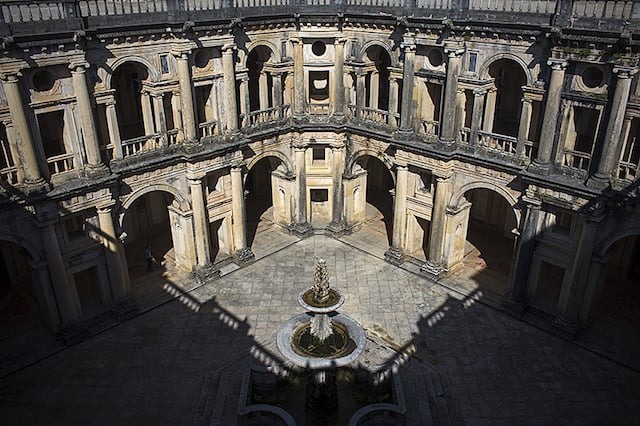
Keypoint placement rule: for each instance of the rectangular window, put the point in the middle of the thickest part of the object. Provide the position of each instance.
(164, 64)
(473, 61)
(319, 195)
(425, 182)
(75, 226)
(318, 155)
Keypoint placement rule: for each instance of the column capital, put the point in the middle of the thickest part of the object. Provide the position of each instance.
(480, 91)
(238, 165)
(454, 51)
(78, 66)
(181, 54)
(195, 176)
(624, 72)
(10, 77)
(557, 64)
(408, 46)
(401, 167)
(340, 40)
(228, 48)
(296, 40)
(105, 207)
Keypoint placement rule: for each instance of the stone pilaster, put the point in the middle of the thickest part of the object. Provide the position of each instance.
(114, 254)
(229, 77)
(525, 248)
(87, 120)
(147, 113)
(542, 163)
(337, 224)
(360, 92)
(448, 121)
(66, 295)
(160, 122)
(301, 225)
(525, 125)
(612, 140)
(177, 115)
(299, 104)
(338, 87)
(394, 85)
(200, 221)
(28, 156)
(406, 114)
(112, 127)
(186, 96)
(395, 253)
(434, 265)
(245, 103)
(478, 112)
(243, 254)
(14, 150)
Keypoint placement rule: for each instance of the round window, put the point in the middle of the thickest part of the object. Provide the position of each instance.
(202, 59)
(318, 48)
(592, 77)
(43, 81)
(435, 58)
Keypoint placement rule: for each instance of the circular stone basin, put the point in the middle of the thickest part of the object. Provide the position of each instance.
(335, 300)
(336, 345)
(295, 327)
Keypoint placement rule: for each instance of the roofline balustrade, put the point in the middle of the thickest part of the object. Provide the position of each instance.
(29, 17)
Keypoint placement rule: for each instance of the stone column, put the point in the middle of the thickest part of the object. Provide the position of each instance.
(337, 211)
(437, 229)
(301, 226)
(200, 221)
(161, 125)
(525, 124)
(448, 121)
(147, 114)
(114, 254)
(277, 93)
(186, 96)
(360, 92)
(263, 90)
(29, 158)
(114, 130)
(525, 247)
(87, 121)
(542, 163)
(406, 124)
(66, 296)
(242, 253)
(489, 110)
(460, 110)
(245, 103)
(568, 320)
(478, 113)
(14, 150)
(229, 76)
(393, 99)
(395, 253)
(298, 77)
(338, 86)
(177, 114)
(611, 149)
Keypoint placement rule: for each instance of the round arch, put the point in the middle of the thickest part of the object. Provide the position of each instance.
(363, 51)
(456, 198)
(353, 159)
(603, 248)
(153, 73)
(484, 69)
(286, 161)
(275, 55)
(31, 248)
(131, 198)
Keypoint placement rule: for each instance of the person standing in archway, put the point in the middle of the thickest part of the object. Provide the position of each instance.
(148, 256)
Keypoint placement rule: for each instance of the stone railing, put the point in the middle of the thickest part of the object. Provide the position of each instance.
(627, 171)
(375, 115)
(430, 127)
(576, 160)
(499, 144)
(9, 175)
(209, 129)
(136, 146)
(60, 163)
(20, 16)
(323, 108)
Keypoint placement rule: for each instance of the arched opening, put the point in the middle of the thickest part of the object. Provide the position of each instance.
(127, 82)
(616, 321)
(379, 198)
(260, 206)
(377, 78)
(490, 239)
(508, 79)
(147, 223)
(260, 80)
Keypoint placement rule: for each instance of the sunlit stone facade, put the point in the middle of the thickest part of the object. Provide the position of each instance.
(516, 121)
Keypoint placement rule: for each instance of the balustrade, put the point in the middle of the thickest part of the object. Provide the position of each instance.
(375, 115)
(430, 127)
(120, 7)
(141, 144)
(627, 171)
(209, 129)
(30, 11)
(60, 163)
(576, 160)
(602, 9)
(500, 144)
(525, 6)
(464, 135)
(9, 175)
(320, 108)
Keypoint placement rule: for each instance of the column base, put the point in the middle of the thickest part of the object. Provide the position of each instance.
(394, 256)
(93, 170)
(515, 307)
(566, 328)
(35, 186)
(598, 182)
(539, 168)
(301, 229)
(244, 256)
(339, 117)
(336, 229)
(404, 134)
(205, 273)
(431, 268)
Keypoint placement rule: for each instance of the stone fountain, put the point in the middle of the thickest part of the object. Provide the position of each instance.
(320, 341)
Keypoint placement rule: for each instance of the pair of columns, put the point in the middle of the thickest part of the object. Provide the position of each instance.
(23, 133)
(201, 219)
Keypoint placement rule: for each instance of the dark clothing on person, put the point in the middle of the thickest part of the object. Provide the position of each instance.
(148, 256)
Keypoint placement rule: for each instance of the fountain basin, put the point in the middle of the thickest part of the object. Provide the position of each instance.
(349, 328)
(335, 300)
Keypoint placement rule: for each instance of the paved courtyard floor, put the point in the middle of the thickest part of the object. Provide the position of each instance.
(181, 362)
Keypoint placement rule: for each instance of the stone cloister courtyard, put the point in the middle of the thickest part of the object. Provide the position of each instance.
(181, 360)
